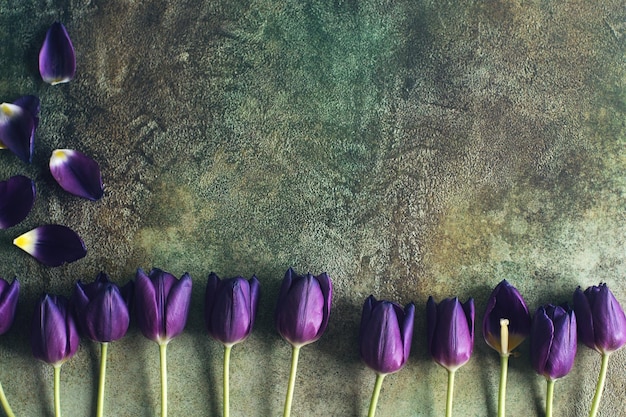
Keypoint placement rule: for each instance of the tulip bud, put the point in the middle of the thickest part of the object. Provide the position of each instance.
(54, 336)
(506, 303)
(450, 331)
(100, 309)
(303, 307)
(162, 304)
(385, 334)
(230, 307)
(553, 341)
(9, 294)
(601, 319)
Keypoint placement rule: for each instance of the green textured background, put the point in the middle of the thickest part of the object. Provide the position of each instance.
(408, 148)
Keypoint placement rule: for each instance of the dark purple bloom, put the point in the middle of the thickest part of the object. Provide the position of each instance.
(385, 334)
(505, 302)
(230, 307)
(54, 336)
(57, 60)
(601, 319)
(162, 304)
(450, 331)
(52, 244)
(9, 293)
(553, 341)
(17, 130)
(77, 173)
(303, 307)
(17, 196)
(101, 310)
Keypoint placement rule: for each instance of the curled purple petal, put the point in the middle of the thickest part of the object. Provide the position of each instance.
(57, 60)
(77, 173)
(17, 196)
(17, 130)
(52, 244)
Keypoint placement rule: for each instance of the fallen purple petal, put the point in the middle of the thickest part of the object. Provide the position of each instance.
(52, 244)
(32, 105)
(17, 130)
(57, 60)
(17, 196)
(77, 173)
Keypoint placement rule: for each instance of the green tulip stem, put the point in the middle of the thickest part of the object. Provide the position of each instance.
(227, 350)
(102, 377)
(504, 365)
(375, 394)
(57, 390)
(5, 403)
(549, 396)
(450, 393)
(163, 361)
(295, 352)
(595, 405)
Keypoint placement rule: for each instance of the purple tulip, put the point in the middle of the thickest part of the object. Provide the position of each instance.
(230, 307)
(303, 307)
(52, 244)
(100, 309)
(9, 293)
(54, 336)
(77, 173)
(17, 130)
(57, 59)
(450, 331)
(162, 304)
(553, 341)
(601, 319)
(17, 196)
(505, 302)
(385, 334)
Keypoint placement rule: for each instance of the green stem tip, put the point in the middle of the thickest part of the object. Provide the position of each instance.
(295, 353)
(375, 394)
(102, 378)
(5, 403)
(595, 405)
(163, 363)
(227, 350)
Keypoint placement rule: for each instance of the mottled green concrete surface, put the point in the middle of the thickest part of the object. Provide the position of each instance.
(409, 148)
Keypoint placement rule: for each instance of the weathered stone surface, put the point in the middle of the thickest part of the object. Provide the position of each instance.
(409, 148)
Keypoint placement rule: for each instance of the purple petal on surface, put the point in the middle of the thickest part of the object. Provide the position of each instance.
(17, 130)
(9, 294)
(17, 196)
(57, 59)
(32, 105)
(77, 173)
(52, 244)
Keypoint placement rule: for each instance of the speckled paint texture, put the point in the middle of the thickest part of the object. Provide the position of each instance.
(408, 148)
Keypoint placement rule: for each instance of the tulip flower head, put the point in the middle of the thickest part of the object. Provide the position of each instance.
(553, 341)
(385, 334)
(162, 304)
(506, 308)
(450, 331)
(230, 308)
(303, 307)
(601, 319)
(9, 294)
(101, 310)
(54, 335)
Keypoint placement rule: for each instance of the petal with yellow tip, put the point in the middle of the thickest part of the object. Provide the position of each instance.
(77, 173)
(52, 244)
(17, 130)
